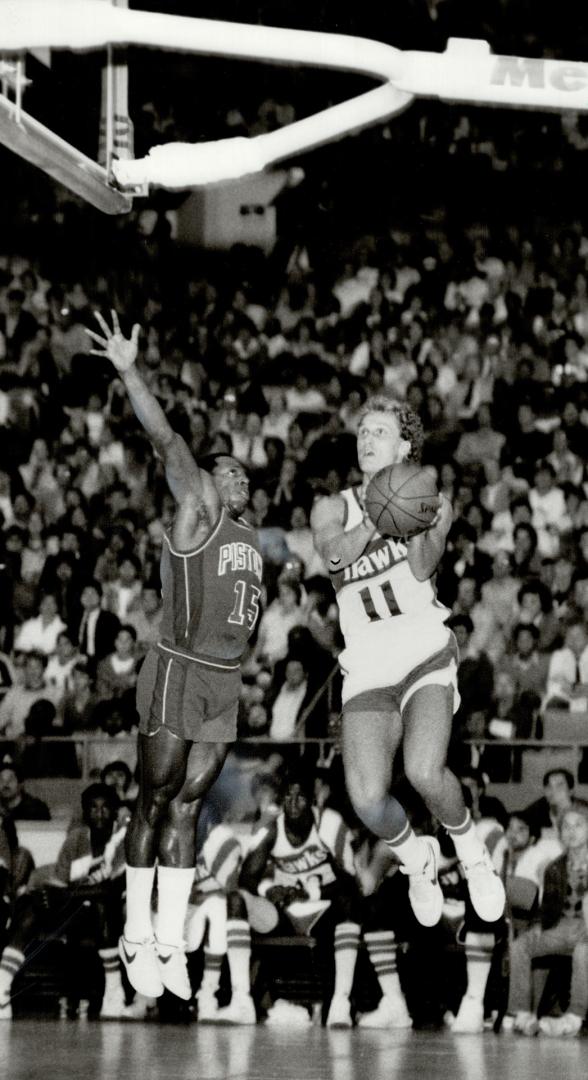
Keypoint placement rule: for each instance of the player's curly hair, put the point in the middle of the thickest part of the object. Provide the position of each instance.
(410, 424)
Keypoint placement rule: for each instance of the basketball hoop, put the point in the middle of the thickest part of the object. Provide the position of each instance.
(466, 72)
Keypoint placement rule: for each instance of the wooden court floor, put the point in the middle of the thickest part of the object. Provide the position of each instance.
(61, 1050)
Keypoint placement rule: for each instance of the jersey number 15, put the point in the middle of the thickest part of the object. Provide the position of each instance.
(246, 606)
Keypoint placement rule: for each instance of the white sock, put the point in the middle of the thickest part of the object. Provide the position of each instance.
(410, 849)
(346, 948)
(382, 949)
(239, 955)
(139, 924)
(111, 967)
(478, 949)
(211, 974)
(12, 960)
(467, 843)
(174, 885)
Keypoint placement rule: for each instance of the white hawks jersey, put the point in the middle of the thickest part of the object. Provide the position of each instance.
(392, 623)
(327, 846)
(379, 586)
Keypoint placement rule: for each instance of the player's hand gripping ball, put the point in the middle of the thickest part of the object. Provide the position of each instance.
(402, 500)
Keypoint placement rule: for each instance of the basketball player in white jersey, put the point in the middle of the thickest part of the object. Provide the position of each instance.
(400, 669)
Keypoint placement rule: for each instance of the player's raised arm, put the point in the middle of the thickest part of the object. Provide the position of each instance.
(424, 551)
(184, 477)
(337, 547)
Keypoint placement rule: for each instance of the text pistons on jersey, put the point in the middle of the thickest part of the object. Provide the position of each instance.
(385, 554)
(239, 556)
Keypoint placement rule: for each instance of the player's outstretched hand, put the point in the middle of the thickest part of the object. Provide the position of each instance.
(121, 351)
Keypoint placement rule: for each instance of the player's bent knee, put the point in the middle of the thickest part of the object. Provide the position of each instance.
(156, 804)
(424, 776)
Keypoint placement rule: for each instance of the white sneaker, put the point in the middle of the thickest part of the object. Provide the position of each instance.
(207, 1007)
(485, 888)
(240, 1011)
(470, 1017)
(139, 1009)
(568, 1024)
(287, 1014)
(173, 970)
(140, 963)
(113, 1004)
(339, 1012)
(390, 1013)
(424, 891)
(525, 1023)
(5, 1008)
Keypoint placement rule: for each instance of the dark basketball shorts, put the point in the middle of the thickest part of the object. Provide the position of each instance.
(195, 700)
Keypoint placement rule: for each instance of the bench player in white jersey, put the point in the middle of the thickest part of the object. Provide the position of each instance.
(399, 666)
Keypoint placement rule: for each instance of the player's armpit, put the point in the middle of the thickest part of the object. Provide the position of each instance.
(337, 547)
(327, 523)
(184, 477)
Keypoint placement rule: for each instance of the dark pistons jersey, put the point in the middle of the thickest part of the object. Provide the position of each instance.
(211, 595)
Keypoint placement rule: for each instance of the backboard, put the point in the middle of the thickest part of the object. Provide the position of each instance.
(67, 114)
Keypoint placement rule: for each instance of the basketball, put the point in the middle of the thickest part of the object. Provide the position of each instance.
(401, 500)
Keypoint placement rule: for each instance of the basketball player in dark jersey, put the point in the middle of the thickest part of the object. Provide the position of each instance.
(188, 688)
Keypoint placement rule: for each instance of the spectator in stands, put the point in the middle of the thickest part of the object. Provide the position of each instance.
(288, 697)
(277, 420)
(526, 444)
(15, 801)
(303, 864)
(61, 664)
(77, 707)
(97, 629)
(122, 594)
(486, 637)
(568, 666)
(475, 680)
(280, 616)
(117, 774)
(526, 665)
(525, 556)
(115, 719)
(40, 633)
(563, 931)
(568, 467)
(84, 894)
(499, 593)
(482, 443)
(146, 618)
(545, 814)
(61, 579)
(17, 701)
(535, 607)
(117, 672)
(463, 559)
(523, 859)
(548, 505)
(300, 543)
